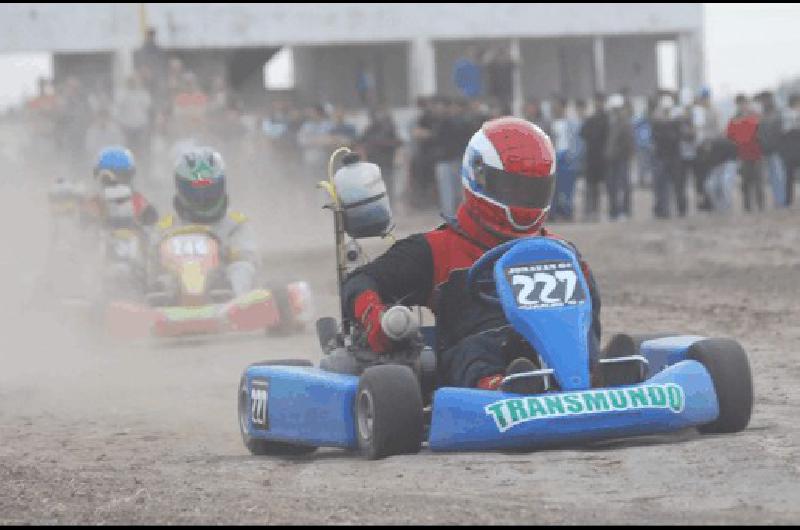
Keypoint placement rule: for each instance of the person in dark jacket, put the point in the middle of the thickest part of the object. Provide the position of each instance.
(595, 135)
(508, 187)
(380, 142)
(770, 130)
(619, 151)
(790, 144)
(666, 124)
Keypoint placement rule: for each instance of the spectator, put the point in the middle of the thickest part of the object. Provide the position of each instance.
(421, 172)
(218, 99)
(618, 153)
(467, 75)
(132, 110)
(594, 133)
(452, 133)
(152, 60)
(565, 143)
(580, 119)
(643, 139)
(770, 130)
(379, 142)
(742, 130)
(190, 107)
(73, 116)
(790, 144)
(666, 125)
(280, 129)
(174, 78)
(688, 148)
(314, 139)
(720, 158)
(707, 131)
(101, 133)
(366, 85)
(532, 111)
(343, 133)
(500, 68)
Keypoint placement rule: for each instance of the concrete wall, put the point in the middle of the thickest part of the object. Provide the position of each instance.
(87, 27)
(330, 73)
(557, 67)
(630, 61)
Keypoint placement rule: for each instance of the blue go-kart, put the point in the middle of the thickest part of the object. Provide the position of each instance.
(386, 404)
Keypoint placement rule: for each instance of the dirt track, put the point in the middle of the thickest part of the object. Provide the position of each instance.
(92, 432)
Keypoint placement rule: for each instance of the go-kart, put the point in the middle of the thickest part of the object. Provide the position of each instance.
(194, 297)
(387, 404)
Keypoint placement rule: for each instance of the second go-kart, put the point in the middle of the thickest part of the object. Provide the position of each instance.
(389, 404)
(197, 299)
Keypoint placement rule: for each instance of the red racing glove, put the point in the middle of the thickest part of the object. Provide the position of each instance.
(369, 309)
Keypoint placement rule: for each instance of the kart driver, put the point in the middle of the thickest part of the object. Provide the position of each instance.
(116, 204)
(201, 199)
(508, 180)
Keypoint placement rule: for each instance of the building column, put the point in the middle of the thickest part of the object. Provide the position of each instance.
(123, 67)
(690, 62)
(421, 69)
(517, 92)
(599, 52)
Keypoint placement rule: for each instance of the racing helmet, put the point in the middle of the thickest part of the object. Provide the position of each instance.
(200, 185)
(114, 165)
(508, 177)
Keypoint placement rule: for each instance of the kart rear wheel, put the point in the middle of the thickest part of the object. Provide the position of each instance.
(284, 362)
(388, 412)
(726, 362)
(623, 344)
(259, 446)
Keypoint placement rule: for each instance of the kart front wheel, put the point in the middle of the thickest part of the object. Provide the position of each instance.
(726, 362)
(259, 446)
(388, 412)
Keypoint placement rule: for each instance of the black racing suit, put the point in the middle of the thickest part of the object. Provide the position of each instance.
(430, 270)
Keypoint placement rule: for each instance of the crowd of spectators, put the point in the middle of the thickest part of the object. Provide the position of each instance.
(666, 147)
(609, 146)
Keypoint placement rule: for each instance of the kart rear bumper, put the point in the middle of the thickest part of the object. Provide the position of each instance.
(250, 312)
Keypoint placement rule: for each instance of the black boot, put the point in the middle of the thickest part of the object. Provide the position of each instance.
(523, 385)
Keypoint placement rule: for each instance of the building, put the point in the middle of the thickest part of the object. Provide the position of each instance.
(402, 50)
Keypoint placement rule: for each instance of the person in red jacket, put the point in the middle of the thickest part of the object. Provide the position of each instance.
(742, 130)
(508, 182)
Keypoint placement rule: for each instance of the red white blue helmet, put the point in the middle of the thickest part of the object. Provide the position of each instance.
(508, 174)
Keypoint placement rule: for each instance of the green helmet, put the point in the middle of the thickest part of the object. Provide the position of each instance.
(200, 185)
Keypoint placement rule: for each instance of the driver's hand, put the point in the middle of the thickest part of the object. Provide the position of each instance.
(369, 309)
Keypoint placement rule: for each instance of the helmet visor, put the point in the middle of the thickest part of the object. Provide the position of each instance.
(517, 190)
(202, 196)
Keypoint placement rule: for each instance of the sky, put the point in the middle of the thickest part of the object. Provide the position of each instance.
(749, 47)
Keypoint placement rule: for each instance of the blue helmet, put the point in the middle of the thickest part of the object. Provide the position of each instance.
(115, 164)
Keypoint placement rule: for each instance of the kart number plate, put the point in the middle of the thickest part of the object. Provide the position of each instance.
(259, 396)
(545, 284)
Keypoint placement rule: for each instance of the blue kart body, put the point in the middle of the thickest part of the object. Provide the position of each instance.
(546, 299)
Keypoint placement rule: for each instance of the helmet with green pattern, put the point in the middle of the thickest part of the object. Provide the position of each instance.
(200, 185)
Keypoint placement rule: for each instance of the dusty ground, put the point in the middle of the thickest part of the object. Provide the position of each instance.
(96, 432)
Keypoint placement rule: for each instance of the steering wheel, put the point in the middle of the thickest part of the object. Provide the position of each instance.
(480, 278)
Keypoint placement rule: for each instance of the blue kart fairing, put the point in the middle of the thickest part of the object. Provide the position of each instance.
(546, 299)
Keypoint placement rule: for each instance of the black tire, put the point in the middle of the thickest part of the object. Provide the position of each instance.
(259, 446)
(726, 361)
(388, 412)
